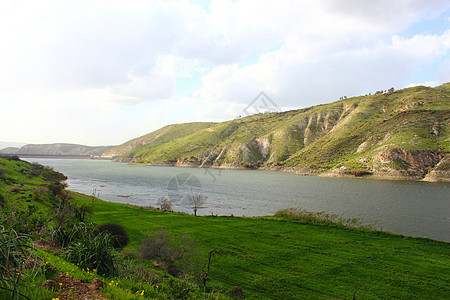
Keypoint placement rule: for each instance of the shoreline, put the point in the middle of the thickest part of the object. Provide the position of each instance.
(302, 172)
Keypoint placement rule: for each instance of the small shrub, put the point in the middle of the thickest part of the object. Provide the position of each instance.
(175, 253)
(10, 157)
(164, 204)
(182, 289)
(137, 270)
(2, 172)
(119, 236)
(15, 190)
(58, 189)
(236, 291)
(37, 165)
(38, 194)
(82, 212)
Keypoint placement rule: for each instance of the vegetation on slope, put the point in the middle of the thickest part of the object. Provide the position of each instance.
(80, 260)
(161, 136)
(398, 134)
(293, 257)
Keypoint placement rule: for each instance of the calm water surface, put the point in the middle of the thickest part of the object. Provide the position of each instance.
(410, 208)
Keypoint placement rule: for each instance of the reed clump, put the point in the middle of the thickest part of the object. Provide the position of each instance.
(321, 217)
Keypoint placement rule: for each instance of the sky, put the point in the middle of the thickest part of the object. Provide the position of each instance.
(103, 72)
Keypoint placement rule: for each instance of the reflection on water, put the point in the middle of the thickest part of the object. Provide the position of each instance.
(406, 207)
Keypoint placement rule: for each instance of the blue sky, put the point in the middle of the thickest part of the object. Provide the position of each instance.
(103, 72)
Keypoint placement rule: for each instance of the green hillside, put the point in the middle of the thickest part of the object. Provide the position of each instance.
(158, 137)
(401, 134)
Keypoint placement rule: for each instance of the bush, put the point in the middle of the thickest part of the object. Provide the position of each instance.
(58, 189)
(119, 236)
(38, 194)
(10, 157)
(164, 204)
(173, 252)
(15, 190)
(182, 289)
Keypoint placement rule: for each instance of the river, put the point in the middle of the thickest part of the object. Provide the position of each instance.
(406, 207)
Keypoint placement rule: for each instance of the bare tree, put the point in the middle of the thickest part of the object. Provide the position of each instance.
(164, 204)
(196, 202)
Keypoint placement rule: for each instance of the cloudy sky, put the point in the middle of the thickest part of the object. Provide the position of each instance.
(103, 72)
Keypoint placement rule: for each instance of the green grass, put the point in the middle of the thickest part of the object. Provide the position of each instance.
(277, 258)
(288, 256)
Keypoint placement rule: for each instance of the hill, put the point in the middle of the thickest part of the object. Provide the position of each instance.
(158, 137)
(9, 150)
(57, 149)
(391, 135)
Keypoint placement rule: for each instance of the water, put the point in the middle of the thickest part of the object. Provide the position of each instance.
(410, 208)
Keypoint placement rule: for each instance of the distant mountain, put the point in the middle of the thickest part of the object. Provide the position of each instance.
(57, 149)
(11, 144)
(401, 134)
(9, 150)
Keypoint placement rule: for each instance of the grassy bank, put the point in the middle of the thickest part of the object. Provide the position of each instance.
(278, 258)
(294, 255)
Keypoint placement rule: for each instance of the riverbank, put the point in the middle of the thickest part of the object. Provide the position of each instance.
(277, 258)
(283, 257)
(435, 175)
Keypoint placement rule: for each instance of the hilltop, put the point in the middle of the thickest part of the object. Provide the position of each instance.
(400, 134)
(57, 149)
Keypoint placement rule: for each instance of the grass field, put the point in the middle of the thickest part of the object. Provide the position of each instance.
(275, 258)
(268, 257)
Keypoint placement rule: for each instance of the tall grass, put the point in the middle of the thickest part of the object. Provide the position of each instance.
(64, 236)
(92, 250)
(16, 252)
(320, 218)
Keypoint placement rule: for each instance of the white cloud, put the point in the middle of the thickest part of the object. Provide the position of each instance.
(113, 66)
(423, 45)
(427, 83)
